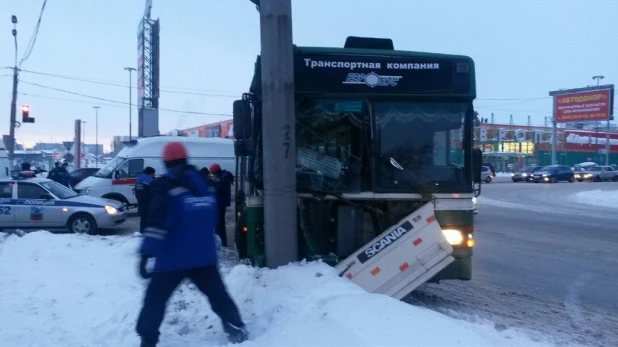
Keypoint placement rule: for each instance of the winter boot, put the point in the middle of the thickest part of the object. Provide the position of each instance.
(236, 334)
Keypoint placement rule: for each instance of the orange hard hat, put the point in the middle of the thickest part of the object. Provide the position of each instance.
(214, 168)
(174, 151)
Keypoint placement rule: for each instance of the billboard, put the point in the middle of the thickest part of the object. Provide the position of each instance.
(589, 141)
(583, 104)
(148, 122)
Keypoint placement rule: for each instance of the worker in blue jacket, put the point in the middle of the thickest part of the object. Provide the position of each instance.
(142, 194)
(181, 237)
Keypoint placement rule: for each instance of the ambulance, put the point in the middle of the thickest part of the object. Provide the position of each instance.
(117, 178)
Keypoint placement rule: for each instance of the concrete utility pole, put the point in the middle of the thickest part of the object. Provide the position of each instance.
(11, 144)
(130, 69)
(278, 128)
(96, 133)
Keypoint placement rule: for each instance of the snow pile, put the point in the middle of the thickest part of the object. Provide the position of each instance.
(78, 290)
(504, 174)
(597, 197)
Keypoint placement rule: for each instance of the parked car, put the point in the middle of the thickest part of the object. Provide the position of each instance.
(581, 174)
(40, 203)
(486, 174)
(525, 174)
(80, 174)
(554, 174)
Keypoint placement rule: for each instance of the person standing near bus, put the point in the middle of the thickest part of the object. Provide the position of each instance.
(223, 181)
(142, 195)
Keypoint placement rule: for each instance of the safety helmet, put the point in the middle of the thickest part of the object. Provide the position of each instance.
(174, 151)
(214, 168)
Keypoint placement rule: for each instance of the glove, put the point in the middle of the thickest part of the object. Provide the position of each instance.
(142, 266)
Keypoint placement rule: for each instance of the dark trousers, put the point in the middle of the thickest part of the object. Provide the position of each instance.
(162, 285)
(221, 231)
(142, 212)
(142, 222)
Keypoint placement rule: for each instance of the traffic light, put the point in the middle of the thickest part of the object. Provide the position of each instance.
(25, 114)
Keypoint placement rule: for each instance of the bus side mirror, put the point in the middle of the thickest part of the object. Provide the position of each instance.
(477, 160)
(242, 120)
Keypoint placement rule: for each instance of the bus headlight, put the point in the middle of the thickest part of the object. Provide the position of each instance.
(453, 236)
(110, 209)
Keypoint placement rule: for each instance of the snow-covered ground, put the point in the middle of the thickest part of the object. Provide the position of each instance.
(597, 197)
(75, 290)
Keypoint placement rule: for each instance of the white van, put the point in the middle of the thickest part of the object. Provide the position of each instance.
(5, 165)
(116, 179)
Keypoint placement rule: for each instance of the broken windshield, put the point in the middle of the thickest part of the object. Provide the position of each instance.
(330, 135)
(427, 140)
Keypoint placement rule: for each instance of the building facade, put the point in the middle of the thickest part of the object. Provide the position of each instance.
(510, 147)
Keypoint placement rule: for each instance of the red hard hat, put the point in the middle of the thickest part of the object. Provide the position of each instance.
(214, 168)
(174, 151)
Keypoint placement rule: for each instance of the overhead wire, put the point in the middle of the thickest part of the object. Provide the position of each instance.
(34, 36)
(219, 93)
(116, 101)
(212, 93)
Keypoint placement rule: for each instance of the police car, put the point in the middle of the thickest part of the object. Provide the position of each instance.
(40, 203)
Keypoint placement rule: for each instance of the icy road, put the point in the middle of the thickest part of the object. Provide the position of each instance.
(545, 261)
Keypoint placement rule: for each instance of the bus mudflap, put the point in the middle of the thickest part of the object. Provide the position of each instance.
(402, 258)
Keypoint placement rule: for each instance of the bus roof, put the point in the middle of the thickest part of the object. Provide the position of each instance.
(376, 52)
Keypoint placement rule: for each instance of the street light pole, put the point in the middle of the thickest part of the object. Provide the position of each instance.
(96, 132)
(11, 144)
(130, 69)
(83, 143)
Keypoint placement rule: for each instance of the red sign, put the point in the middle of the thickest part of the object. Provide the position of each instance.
(589, 141)
(584, 106)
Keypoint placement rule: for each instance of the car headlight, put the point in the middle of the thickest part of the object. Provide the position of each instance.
(512, 175)
(544, 175)
(110, 209)
(524, 175)
(454, 237)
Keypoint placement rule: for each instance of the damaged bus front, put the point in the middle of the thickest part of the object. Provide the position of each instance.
(385, 167)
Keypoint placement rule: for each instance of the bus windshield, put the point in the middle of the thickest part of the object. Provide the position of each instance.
(329, 134)
(338, 138)
(427, 140)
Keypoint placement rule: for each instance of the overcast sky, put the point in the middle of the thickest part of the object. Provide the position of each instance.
(522, 50)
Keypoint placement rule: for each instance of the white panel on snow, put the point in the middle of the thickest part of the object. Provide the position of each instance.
(402, 258)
